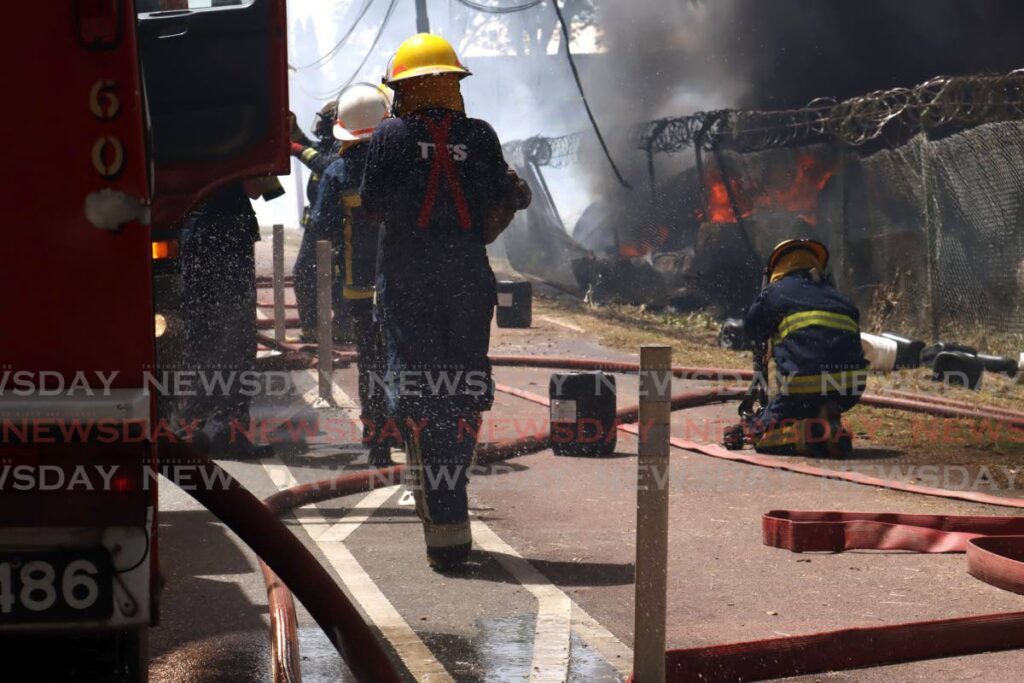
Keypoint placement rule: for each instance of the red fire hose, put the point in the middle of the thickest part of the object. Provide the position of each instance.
(995, 554)
(263, 532)
(284, 633)
(996, 558)
(941, 400)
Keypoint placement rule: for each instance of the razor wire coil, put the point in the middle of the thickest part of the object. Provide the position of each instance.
(553, 152)
(962, 101)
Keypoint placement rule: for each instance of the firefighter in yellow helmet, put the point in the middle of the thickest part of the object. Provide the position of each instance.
(438, 181)
(814, 333)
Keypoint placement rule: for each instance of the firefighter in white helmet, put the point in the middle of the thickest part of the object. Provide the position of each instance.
(338, 212)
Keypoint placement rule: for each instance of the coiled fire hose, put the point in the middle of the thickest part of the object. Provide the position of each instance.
(997, 559)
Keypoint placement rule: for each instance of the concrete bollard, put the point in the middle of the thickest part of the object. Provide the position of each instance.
(324, 333)
(652, 514)
(278, 282)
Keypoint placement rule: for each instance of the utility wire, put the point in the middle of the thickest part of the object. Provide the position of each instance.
(586, 104)
(373, 46)
(334, 93)
(341, 41)
(498, 9)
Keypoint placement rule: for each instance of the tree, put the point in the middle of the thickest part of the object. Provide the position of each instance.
(525, 33)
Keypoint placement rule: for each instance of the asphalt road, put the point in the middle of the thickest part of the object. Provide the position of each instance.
(549, 592)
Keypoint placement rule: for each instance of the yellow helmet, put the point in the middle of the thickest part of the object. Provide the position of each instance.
(423, 55)
(790, 255)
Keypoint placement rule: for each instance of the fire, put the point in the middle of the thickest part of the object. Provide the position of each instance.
(800, 197)
(645, 246)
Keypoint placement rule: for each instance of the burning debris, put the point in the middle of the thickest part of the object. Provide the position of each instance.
(799, 197)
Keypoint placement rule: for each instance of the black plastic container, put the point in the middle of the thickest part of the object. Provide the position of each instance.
(957, 368)
(908, 351)
(515, 304)
(733, 336)
(999, 364)
(930, 353)
(583, 406)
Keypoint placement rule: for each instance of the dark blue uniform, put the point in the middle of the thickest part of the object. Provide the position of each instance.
(433, 176)
(219, 304)
(317, 159)
(338, 209)
(815, 336)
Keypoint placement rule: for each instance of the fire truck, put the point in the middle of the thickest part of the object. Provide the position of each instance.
(129, 113)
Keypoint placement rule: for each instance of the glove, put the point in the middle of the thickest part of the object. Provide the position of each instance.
(297, 148)
(516, 196)
(295, 133)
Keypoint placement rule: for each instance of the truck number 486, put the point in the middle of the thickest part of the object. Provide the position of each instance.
(39, 585)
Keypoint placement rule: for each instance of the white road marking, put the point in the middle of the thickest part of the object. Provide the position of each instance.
(308, 383)
(362, 511)
(614, 651)
(554, 608)
(561, 323)
(557, 613)
(414, 653)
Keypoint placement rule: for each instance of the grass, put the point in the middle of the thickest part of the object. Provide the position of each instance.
(893, 436)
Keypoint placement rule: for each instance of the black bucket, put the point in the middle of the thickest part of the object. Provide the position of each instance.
(908, 351)
(733, 336)
(957, 368)
(999, 364)
(928, 354)
(583, 406)
(515, 304)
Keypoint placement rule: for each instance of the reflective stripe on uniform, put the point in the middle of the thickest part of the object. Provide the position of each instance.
(846, 382)
(349, 201)
(798, 321)
(308, 154)
(436, 535)
(447, 535)
(358, 292)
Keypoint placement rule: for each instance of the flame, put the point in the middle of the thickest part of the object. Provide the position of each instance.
(800, 197)
(646, 246)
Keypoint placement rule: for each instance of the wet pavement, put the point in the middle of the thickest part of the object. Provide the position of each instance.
(549, 591)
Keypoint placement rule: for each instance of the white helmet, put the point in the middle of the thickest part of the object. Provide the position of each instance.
(360, 108)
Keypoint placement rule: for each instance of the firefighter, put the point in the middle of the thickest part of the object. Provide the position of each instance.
(219, 311)
(316, 156)
(814, 333)
(360, 108)
(439, 183)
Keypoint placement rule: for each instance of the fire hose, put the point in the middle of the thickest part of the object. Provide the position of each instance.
(260, 529)
(1000, 558)
(284, 632)
(995, 554)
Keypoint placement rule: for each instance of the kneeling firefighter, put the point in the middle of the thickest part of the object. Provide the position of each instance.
(439, 182)
(338, 210)
(814, 332)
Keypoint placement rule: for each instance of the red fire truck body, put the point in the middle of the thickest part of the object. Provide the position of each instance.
(107, 96)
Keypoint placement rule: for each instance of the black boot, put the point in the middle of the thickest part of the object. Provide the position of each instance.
(380, 455)
(449, 558)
